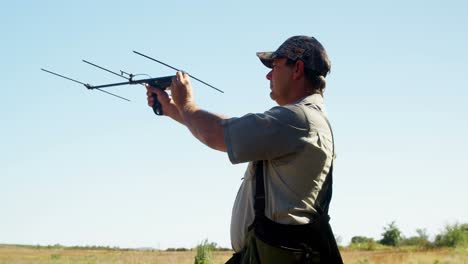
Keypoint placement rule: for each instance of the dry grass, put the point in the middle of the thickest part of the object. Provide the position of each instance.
(23, 255)
(436, 256)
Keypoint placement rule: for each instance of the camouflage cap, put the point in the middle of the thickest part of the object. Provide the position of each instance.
(304, 48)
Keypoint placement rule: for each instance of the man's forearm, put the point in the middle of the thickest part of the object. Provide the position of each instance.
(205, 126)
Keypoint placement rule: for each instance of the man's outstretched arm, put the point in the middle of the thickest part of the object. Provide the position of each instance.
(205, 126)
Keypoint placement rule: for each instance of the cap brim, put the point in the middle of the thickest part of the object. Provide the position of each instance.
(266, 58)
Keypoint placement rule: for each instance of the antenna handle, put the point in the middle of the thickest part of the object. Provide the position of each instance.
(159, 83)
(157, 107)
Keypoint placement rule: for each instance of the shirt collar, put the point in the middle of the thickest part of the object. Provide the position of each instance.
(315, 99)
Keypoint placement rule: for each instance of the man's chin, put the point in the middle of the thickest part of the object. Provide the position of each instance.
(273, 97)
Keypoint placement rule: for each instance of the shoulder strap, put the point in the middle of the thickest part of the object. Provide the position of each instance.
(259, 202)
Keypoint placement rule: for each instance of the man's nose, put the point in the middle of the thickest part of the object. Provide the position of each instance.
(268, 76)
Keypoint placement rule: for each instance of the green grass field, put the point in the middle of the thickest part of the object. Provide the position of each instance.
(10, 254)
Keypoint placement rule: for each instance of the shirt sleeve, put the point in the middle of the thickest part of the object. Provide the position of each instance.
(265, 136)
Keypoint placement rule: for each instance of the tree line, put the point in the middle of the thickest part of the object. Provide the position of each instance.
(455, 235)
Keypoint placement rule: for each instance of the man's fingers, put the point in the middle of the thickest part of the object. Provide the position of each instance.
(151, 89)
(183, 78)
(160, 93)
(163, 97)
(179, 75)
(175, 81)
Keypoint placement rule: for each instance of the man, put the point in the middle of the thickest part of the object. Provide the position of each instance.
(290, 152)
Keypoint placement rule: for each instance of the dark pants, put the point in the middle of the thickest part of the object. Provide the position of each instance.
(256, 251)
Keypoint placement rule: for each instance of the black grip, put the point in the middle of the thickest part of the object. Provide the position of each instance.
(159, 83)
(157, 107)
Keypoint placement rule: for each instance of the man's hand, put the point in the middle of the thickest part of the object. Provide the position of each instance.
(168, 106)
(180, 106)
(181, 91)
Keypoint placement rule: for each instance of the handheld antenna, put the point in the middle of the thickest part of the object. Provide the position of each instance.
(130, 78)
(157, 107)
(85, 84)
(167, 65)
(102, 68)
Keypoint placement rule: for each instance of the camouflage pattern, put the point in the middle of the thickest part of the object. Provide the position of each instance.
(307, 49)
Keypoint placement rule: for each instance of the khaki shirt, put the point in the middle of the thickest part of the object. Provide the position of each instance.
(296, 143)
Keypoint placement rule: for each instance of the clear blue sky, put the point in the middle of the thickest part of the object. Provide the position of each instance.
(79, 167)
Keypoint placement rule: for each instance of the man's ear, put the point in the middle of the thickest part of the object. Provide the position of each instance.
(298, 70)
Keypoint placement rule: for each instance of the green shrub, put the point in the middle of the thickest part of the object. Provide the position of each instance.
(55, 256)
(360, 239)
(204, 253)
(177, 249)
(421, 240)
(391, 236)
(361, 242)
(455, 235)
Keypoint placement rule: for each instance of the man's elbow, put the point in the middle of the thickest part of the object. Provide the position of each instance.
(215, 141)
